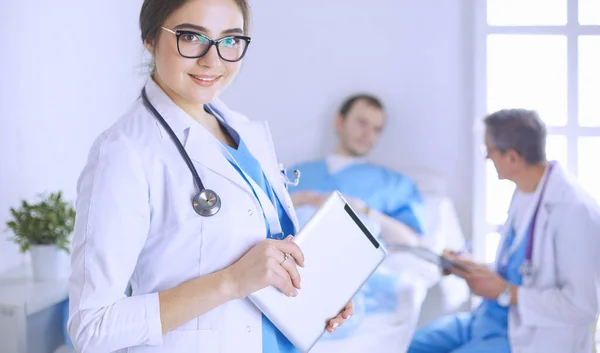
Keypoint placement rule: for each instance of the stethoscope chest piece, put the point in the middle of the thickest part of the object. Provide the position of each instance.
(206, 203)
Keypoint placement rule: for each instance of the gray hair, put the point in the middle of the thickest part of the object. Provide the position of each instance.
(520, 130)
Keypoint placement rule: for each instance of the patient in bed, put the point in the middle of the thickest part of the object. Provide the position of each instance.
(392, 208)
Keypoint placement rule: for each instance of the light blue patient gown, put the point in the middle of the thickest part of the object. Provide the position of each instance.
(383, 190)
(483, 330)
(273, 340)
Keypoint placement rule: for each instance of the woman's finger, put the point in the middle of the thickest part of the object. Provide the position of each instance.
(289, 265)
(290, 247)
(281, 279)
(335, 323)
(348, 311)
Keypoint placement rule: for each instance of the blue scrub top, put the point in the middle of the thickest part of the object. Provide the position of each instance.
(381, 189)
(491, 319)
(273, 340)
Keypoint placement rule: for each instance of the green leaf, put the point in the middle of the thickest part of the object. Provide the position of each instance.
(49, 221)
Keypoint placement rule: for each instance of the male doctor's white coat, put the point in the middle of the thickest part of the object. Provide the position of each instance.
(558, 304)
(135, 223)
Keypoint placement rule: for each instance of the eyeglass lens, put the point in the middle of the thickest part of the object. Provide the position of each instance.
(196, 45)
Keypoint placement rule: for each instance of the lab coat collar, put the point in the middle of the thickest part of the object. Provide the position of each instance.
(558, 183)
(201, 146)
(204, 148)
(551, 195)
(258, 139)
(177, 118)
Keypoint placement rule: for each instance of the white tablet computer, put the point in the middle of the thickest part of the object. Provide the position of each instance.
(340, 254)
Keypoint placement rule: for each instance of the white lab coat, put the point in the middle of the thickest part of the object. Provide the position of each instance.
(558, 304)
(135, 223)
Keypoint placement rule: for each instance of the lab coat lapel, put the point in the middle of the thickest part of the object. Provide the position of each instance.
(258, 139)
(551, 197)
(544, 195)
(204, 148)
(201, 146)
(540, 233)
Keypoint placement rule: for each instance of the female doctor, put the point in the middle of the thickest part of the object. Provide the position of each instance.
(183, 204)
(542, 293)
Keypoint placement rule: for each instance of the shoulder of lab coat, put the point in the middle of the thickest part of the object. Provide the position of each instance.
(110, 231)
(228, 113)
(574, 226)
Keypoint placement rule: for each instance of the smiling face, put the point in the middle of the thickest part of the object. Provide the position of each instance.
(197, 80)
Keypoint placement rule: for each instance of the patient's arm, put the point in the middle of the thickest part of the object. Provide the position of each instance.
(301, 198)
(394, 231)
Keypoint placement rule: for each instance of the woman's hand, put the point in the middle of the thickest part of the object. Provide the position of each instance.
(266, 264)
(342, 316)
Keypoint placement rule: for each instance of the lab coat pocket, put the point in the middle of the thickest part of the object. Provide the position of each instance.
(184, 341)
(556, 340)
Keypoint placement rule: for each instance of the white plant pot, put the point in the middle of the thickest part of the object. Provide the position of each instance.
(46, 262)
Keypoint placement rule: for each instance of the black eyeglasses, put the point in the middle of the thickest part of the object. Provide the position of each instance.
(194, 45)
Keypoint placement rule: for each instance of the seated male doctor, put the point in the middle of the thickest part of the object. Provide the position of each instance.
(542, 293)
(393, 209)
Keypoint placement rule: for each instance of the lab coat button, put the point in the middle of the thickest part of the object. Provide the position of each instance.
(248, 329)
(250, 212)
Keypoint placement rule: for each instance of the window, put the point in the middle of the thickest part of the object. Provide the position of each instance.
(542, 55)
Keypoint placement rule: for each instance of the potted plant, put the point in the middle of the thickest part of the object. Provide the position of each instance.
(43, 228)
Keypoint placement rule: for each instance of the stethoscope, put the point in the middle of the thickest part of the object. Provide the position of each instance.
(206, 202)
(286, 180)
(526, 269)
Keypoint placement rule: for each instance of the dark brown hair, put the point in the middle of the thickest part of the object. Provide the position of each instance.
(350, 101)
(155, 12)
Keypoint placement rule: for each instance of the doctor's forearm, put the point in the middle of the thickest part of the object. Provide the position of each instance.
(393, 231)
(514, 299)
(193, 298)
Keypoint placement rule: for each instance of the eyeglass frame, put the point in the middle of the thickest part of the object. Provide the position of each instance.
(211, 42)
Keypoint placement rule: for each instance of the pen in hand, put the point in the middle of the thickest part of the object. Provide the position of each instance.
(464, 249)
(448, 263)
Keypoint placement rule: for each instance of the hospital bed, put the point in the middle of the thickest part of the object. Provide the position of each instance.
(423, 294)
(449, 294)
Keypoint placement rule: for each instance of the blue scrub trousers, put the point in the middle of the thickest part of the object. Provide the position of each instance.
(483, 330)
(462, 333)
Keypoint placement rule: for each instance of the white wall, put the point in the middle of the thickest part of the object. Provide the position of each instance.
(69, 68)
(307, 56)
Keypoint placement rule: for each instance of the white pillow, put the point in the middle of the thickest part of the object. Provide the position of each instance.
(428, 181)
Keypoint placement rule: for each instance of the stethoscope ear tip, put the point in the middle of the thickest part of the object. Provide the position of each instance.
(287, 180)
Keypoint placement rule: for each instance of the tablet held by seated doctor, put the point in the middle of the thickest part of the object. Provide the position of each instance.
(182, 200)
(541, 295)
